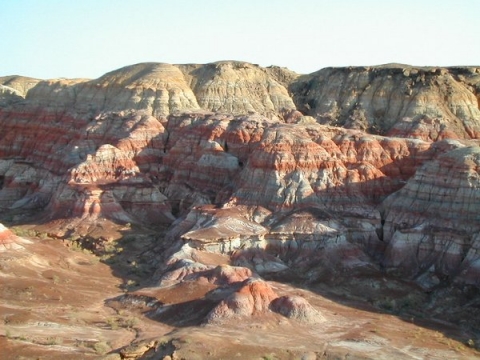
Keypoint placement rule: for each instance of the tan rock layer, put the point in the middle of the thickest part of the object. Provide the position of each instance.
(395, 100)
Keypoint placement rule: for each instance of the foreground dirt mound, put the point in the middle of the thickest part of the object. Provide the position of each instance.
(10, 241)
(252, 298)
(296, 307)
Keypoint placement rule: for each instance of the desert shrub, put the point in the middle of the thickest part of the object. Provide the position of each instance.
(22, 232)
(75, 246)
(268, 357)
(125, 322)
(101, 347)
(54, 341)
(129, 322)
(113, 323)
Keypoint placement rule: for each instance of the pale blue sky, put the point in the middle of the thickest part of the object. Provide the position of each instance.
(86, 38)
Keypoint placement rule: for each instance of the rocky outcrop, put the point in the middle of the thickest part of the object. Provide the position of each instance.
(162, 89)
(252, 298)
(397, 100)
(157, 89)
(296, 307)
(104, 168)
(235, 87)
(394, 100)
(14, 89)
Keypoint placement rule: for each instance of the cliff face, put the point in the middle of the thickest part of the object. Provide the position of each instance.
(396, 100)
(233, 156)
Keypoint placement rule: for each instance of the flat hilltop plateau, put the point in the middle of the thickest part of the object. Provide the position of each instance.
(228, 210)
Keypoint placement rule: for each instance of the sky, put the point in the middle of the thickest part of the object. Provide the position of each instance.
(87, 38)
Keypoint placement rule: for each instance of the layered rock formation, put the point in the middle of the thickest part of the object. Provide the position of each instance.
(433, 223)
(396, 100)
(239, 88)
(245, 161)
(162, 89)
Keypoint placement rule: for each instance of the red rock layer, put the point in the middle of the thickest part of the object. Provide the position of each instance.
(106, 167)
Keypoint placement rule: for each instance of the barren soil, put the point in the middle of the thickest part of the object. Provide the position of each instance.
(61, 302)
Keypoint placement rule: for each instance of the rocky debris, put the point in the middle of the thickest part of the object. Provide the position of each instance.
(137, 350)
(252, 298)
(296, 307)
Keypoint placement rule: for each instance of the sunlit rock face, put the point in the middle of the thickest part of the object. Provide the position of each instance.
(162, 89)
(236, 87)
(157, 89)
(296, 307)
(249, 162)
(396, 100)
(13, 89)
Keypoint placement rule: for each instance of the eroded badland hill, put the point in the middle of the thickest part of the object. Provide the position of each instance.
(226, 210)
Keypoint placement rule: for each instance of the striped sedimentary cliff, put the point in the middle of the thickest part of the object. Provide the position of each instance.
(232, 156)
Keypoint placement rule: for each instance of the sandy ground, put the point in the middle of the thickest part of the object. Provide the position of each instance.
(58, 302)
(53, 304)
